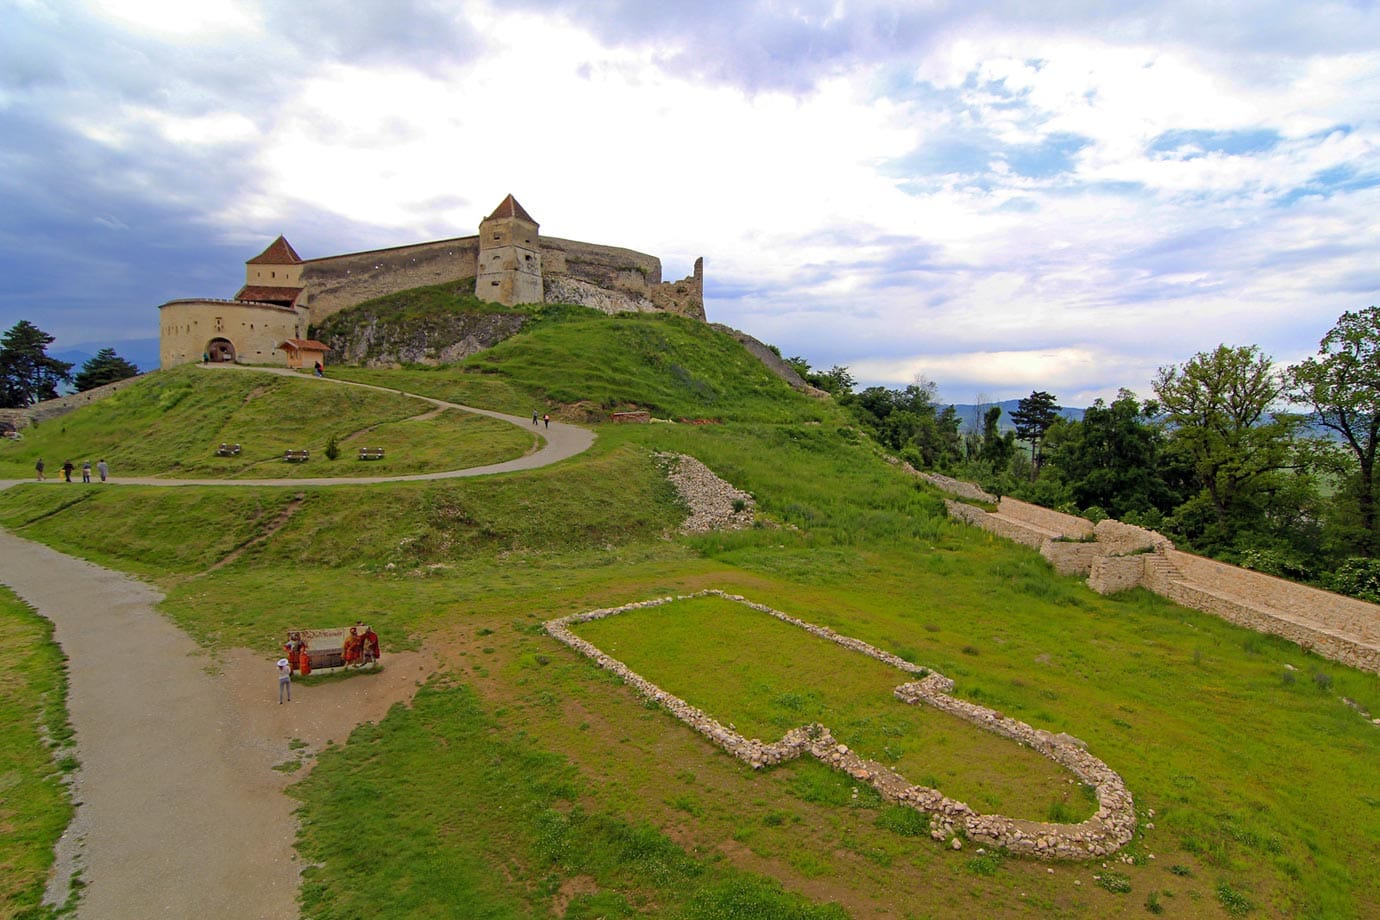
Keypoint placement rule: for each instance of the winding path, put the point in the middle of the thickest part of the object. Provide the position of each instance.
(180, 812)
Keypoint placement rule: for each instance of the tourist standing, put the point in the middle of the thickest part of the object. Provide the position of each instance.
(38, 467)
(67, 468)
(86, 471)
(103, 469)
(284, 681)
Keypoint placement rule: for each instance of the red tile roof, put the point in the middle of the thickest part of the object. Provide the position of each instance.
(279, 252)
(510, 208)
(304, 345)
(265, 294)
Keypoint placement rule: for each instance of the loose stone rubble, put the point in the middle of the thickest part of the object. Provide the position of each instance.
(711, 500)
(1101, 835)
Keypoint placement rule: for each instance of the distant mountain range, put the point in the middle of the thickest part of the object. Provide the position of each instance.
(971, 413)
(142, 353)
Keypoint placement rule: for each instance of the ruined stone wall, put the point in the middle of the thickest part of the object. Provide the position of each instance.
(337, 282)
(1069, 557)
(1104, 833)
(1114, 574)
(1069, 526)
(54, 408)
(684, 297)
(1255, 589)
(1340, 628)
(605, 266)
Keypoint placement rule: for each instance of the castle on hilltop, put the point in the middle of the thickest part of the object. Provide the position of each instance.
(269, 319)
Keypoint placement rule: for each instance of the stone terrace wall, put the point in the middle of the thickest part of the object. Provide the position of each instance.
(1106, 832)
(1068, 526)
(54, 408)
(1340, 628)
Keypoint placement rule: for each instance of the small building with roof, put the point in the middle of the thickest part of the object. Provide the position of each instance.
(511, 263)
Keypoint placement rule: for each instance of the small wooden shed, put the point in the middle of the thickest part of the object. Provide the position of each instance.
(304, 352)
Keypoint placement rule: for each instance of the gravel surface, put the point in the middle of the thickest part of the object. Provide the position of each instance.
(180, 812)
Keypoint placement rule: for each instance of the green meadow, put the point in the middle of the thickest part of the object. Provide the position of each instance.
(522, 781)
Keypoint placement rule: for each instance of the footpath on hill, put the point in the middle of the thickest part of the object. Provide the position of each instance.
(180, 810)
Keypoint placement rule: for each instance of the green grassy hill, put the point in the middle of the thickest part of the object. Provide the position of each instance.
(524, 782)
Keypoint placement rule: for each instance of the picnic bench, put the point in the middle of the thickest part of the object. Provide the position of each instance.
(296, 456)
(371, 453)
(228, 450)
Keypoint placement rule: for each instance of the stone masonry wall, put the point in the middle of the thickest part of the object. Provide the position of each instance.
(337, 282)
(50, 409)
(1340, 628)
(1107, 831)
(1068, 526)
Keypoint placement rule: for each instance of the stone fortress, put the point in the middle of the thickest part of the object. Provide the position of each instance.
(284, 295)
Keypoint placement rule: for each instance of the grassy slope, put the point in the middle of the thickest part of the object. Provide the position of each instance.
(575, 779)
(170, 423)
(35, 806)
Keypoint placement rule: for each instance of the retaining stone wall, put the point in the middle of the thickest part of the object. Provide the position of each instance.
(54, 408)
(1107, 831)
(1069, 558)
(1339, 628)
(1068, 526)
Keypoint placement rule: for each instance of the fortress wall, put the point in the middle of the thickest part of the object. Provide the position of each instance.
(1323, 608)
(53, 408)
(1066, 525)
(337, 282)
(605, 266)
(1003, 527)
(685, 297)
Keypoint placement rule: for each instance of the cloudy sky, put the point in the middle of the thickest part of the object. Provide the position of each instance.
(998, 196)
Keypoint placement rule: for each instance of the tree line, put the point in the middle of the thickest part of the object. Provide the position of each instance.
(1271, 468)
(28, 374)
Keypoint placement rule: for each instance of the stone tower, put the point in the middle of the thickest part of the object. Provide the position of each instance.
(509, 270)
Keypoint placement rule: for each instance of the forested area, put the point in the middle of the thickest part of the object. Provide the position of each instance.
(1231, 456)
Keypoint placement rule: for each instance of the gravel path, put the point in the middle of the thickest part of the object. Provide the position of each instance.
(180, 812)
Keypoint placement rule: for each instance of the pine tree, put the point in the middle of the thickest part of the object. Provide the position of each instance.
(106, 367)
(27, 374)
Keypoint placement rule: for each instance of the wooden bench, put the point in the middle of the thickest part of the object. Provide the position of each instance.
(228, 450)
(296, 456)
(371, 453)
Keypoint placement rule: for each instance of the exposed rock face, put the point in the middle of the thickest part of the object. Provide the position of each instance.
(774, 362)
(1104, 833)
(564, 289)
(714, 504)
(437, 339)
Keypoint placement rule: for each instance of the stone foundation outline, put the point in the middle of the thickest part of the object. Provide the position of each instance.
(1111, 828)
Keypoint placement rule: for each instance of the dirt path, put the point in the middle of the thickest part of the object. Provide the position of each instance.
(181, 813)
(180, 810)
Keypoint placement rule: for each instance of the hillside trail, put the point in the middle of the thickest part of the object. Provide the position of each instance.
(180, 810)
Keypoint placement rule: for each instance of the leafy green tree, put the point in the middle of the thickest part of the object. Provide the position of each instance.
(105, 367)
(1342, 387)
(1219, 406)
(1032, 418)
(27, 374)
(1112, 459)
(995, 449)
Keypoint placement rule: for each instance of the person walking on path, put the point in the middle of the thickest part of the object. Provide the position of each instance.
(547, 419)
(284, 680)
(38, 467)
(103, 469)
(86, 471)
(534, 419)
(67, 471)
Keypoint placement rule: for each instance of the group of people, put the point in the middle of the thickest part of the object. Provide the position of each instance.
(68, 467)
(361, 647)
